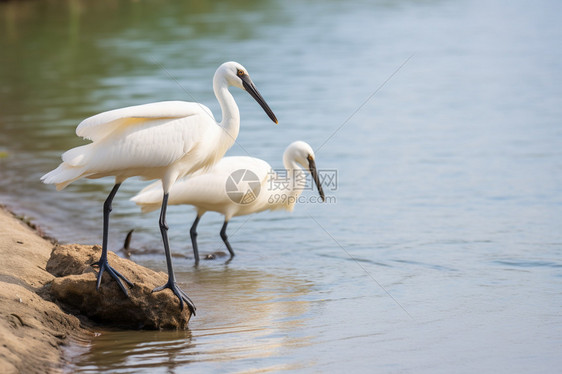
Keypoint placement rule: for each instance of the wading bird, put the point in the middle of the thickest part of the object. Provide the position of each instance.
(164, 140)
(237, 186)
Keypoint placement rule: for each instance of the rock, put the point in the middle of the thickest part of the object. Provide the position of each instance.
(75, 286)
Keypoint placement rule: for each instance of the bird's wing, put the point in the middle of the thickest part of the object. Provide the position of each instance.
(213, 186)
(152, 143)
(205, 189)
(229, 165)
(99, 126)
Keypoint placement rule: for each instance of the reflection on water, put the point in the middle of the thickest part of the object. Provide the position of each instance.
(113, 350)
(256, 324)
(448, 201)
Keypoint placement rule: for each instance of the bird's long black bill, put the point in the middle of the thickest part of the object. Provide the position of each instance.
(315, 177)
(253, 91)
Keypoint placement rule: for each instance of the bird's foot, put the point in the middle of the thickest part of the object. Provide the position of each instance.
(182, 296)
(104, 266)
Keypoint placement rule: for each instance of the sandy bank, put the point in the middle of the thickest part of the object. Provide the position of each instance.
(48, 298)
(32, 329)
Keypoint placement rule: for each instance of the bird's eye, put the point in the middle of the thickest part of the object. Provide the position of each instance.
(240, 73)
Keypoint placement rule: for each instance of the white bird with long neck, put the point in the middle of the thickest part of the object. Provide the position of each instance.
(164, 140)
(238, 186)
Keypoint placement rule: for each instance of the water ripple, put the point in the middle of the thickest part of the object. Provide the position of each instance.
(529, 263)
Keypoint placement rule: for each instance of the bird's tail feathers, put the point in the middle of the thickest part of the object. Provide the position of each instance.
(63, 175)
(149, 198)
(150, 207)
(77, 156)
(157, 186)
(72, 168)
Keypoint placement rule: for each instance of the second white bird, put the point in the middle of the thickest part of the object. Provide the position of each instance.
(264, 188)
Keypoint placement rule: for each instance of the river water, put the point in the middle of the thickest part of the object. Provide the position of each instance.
(439, 248)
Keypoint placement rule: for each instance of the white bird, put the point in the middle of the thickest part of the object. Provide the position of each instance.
(164, 140)
(237, 186)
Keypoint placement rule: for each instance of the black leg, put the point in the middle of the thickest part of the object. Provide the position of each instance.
(193, 234)
(171, 284)
(225, 239)
(102, 263)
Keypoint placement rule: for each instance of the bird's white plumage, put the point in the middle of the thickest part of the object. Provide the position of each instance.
(165, 141)
(103, 124)
(139, 146)
(207, 191)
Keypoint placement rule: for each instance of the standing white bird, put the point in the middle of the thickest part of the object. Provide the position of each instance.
(237, 186)
(164, 140)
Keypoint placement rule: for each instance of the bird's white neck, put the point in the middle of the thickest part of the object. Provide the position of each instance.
(287, 188)
(296, 175)
(230, 121)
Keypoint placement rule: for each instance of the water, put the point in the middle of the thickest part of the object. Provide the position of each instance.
(441, 249)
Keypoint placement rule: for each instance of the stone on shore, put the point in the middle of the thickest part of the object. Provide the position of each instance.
(75, 286)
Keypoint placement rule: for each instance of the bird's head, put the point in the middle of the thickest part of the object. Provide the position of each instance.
(302, 153)
(234, 74)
